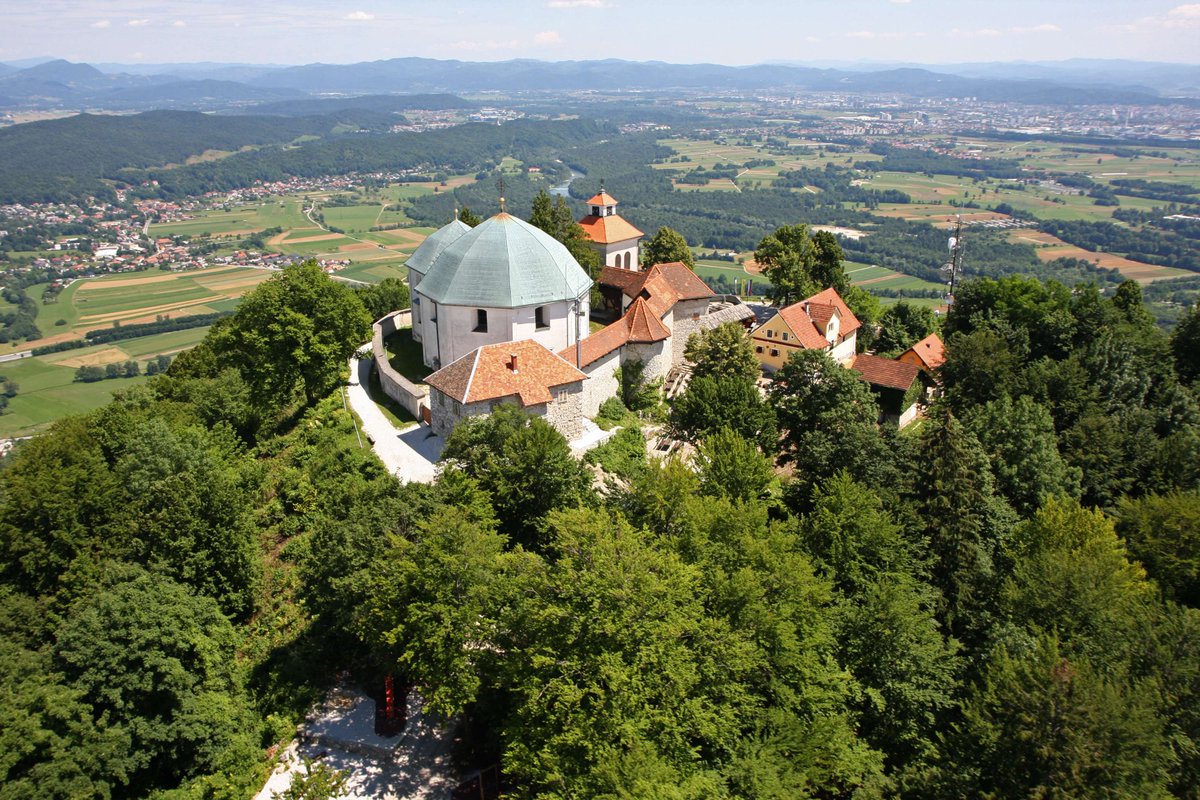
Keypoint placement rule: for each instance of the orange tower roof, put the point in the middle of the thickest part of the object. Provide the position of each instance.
(602, 198)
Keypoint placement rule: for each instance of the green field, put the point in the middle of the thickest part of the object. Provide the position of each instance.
(48, 392)
(275, 212)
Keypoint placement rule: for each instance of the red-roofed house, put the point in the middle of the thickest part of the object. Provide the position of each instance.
(821, 322)
(611, 235)
(928, 354)
(897, 385)
(523, 372)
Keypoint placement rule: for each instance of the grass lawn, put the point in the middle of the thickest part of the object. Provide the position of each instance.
(49, 392)
(404, 354)
(396, 413)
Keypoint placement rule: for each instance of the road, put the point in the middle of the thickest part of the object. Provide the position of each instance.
(410, 454)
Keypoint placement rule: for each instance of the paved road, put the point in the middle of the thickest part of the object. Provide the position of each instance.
(410, 454)
(16, 356)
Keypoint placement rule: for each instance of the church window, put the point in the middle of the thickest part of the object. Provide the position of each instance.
(628, 260)
(480, 321)
(539, 318)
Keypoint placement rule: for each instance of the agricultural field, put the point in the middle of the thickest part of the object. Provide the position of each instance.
(1050, 247)
(47, 386)
(94, 303)
(275, 212)
(704, 153)
(48, 392)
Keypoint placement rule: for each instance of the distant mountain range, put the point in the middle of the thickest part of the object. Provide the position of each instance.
(212, 87)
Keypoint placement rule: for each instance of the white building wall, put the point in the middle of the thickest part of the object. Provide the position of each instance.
(614, 254)
(452, 334)
(845, 351)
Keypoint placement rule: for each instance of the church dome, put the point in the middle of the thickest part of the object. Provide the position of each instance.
(434, 244)
(504, 262)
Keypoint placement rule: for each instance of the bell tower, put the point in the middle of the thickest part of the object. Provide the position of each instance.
(611, 235)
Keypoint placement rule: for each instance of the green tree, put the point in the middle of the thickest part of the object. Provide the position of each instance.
(963, 524)
(381, 299)
(827, 269)
(723, 351)
(293, 333)
(667, 246)
(1163, 533)
(157, 664)
(979, 367)
(712, 403)
(827, 417)
(903, 325)
(467, 217)
(1185, 345)
(732, 466)
(1046, 725)
(788, 258)
(318, 782)
(867, 308)
(556, 219)
(523, 463)
(1020, 442)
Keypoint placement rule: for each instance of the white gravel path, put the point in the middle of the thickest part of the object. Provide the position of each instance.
(410, 454)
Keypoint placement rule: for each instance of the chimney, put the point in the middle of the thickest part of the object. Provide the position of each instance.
(512, 363)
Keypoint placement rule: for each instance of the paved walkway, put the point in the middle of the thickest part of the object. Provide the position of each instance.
(410, 454)
(341, 734)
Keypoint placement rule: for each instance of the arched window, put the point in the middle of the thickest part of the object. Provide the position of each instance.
(628, 260)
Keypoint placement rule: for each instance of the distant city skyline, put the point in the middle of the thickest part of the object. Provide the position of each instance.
(346, 31)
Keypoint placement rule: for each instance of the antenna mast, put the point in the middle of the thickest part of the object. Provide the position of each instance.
(952, 268)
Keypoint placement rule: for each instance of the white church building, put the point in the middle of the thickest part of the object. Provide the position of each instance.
(501, 311)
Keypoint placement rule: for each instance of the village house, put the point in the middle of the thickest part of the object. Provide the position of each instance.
(898, 386)
(821, 322)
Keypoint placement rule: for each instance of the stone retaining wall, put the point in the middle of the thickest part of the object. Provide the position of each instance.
(411, 396)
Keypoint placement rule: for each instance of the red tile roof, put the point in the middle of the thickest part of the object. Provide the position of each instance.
(602, 198)
(487, 373)
(685, 284)
(610, 229)
(885, 372)
(930, 351)
(809, 318)
(645, 325)
(639, 325)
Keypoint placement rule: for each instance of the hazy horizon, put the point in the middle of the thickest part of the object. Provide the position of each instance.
(933, 32)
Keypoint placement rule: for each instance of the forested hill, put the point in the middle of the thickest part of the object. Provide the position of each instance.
(1001, 600)
(66, 158)
(82, 155)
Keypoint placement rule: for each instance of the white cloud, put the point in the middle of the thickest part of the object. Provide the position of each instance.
(137, 23)
(1043, 28)
(900, 2)
(547, 37)
(179, 24)
(1184, 16)
(577, 4)
(359, 16)
(101, 23)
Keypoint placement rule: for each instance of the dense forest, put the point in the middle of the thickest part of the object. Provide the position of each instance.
(998, 601)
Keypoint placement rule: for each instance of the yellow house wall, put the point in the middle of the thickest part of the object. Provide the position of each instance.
(777, 327)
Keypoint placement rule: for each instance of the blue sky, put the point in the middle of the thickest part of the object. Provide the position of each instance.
(747, 32)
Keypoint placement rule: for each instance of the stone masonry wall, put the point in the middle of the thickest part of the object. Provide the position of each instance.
(602, 382)
(412, 397)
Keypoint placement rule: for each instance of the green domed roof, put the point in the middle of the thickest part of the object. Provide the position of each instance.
(433, 246)
(504, 262)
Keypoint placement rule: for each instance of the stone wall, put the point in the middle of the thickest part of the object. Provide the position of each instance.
(687, 320)
(564, 412)
(602, 382)
(656, 357)
(409, 395)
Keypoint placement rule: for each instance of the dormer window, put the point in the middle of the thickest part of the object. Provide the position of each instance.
(480, 321)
